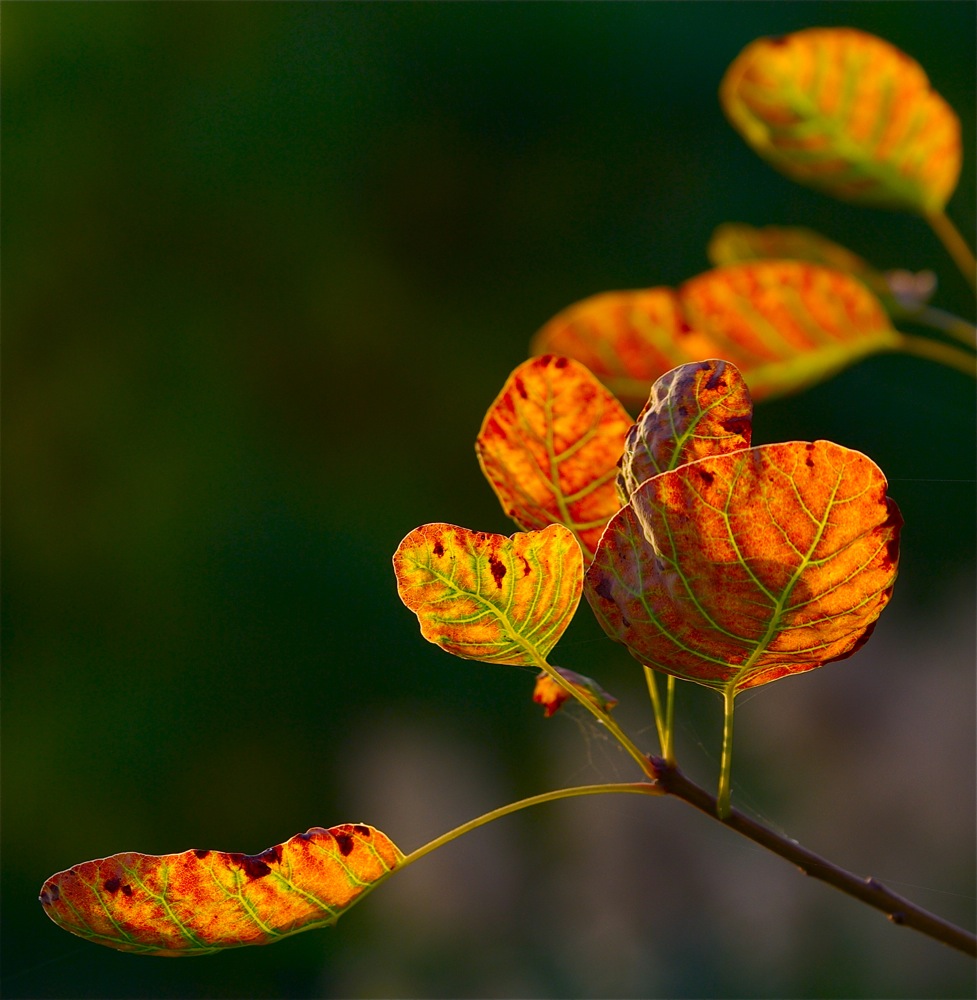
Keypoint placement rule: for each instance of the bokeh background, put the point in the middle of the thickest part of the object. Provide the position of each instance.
(265, 267)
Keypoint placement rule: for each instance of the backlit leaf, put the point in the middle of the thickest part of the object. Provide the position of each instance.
(738, 569)
(549, 446)
(200, 902)
(785, 324)
(848, 113)
(693, 411)
(487, 597)
(900, 292)
(551, 695)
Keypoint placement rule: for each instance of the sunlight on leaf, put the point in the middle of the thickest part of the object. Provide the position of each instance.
(199, 902)
(693, 411)
(487, 597)
(848, 113)
(740, 568)
(900, 292)
(785, 324)
(551, 696)
(549, 446)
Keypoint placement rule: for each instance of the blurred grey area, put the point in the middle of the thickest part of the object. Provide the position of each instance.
(265, 266)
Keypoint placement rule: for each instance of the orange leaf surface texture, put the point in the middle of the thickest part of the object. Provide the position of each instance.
(549, 446)
(743, 567)
(846, 112)
(487, 597)
(199, 902)
(785, 324)
(551, 695)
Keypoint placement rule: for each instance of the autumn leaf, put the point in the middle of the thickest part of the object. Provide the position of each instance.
(549, 446)
(843, 111)
(693, 411)
(551, 695)
(487, 597)
(901, 292)
(199, 902)
(740, 568)
(785, 324)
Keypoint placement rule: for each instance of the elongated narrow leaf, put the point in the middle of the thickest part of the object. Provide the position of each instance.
(200, 902)
(549, 445)
(742, 568)
(848, 113)
(900, 292)
(487, 597)
(693, 411)
(785, 324)
(551, 696)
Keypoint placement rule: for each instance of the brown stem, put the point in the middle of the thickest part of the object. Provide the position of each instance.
(870, 891)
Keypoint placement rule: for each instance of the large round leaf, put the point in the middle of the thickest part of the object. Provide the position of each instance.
(848, 113)
(741, 568)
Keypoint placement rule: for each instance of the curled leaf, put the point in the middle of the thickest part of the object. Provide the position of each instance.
(551, 695)
(549, 446)
(487, 597)
(785, 324)
(199, 902)
(694, 410)
(846, 112)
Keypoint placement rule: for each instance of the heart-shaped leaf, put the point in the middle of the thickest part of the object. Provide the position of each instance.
(785, 324)
(487, 597)
(693, 411)
(551, 695)
(200, 902)
(848, 113)
(741, 568)
(549, 446)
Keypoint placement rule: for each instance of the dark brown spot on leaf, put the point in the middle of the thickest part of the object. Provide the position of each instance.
(438, 549)
(112, 884)
(740, 426)
(254, 867)
(201, 854)
(498, 570)
(50, 894)
(526, 568)
(706, 477)
(603, 589)
(127, 890)
(560, 363)
(363, 831)
(716, 380)
(345, 843)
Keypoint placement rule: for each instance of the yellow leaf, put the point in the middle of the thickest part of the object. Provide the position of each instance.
(487, 597)
(843, 111)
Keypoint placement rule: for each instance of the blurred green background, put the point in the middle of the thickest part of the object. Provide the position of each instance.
(265, 267)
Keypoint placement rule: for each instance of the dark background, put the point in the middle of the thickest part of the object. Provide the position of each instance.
(265, 267)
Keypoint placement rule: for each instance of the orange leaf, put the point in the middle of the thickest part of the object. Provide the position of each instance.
(694, 410)
(785, 324)
(487, 597)
(742, 568)
(200, 902)
(848, 113)
(551, 695)
(549, 446)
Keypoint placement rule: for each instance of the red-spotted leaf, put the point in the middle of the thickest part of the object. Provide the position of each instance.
(551, 695)
(738, 569)
(487, 597)
(848, 113)
(200, 902)
(785, 324)
(549, 446)
(693, 411)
